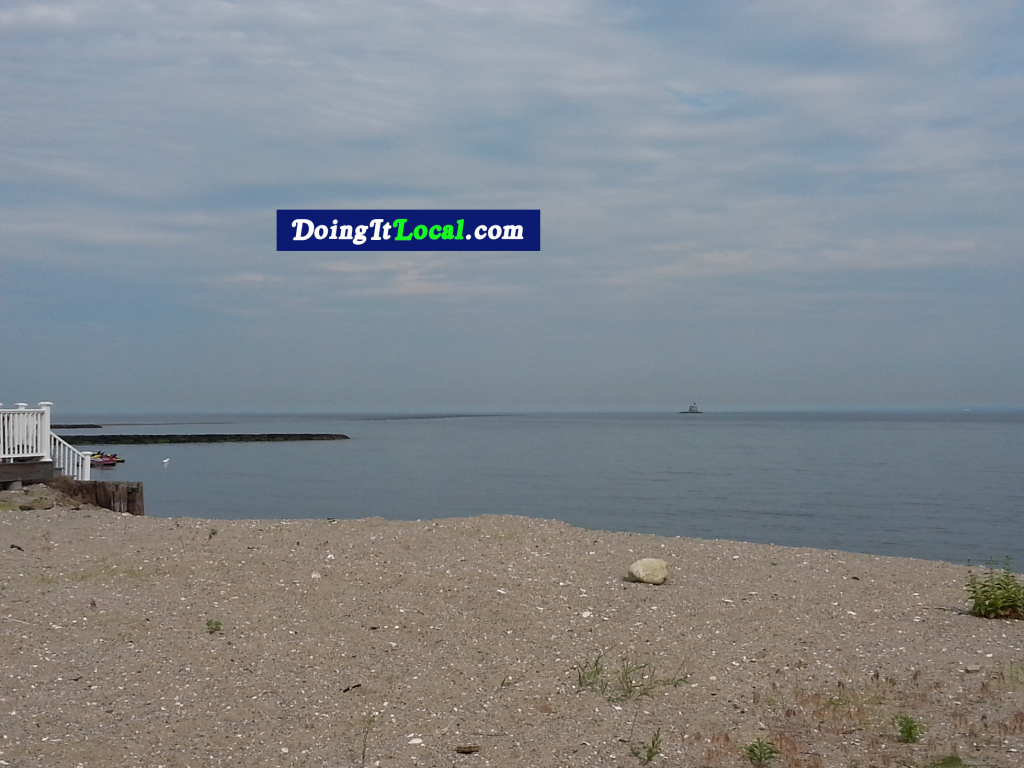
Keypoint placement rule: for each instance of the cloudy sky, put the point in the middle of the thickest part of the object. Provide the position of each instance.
(753, 204)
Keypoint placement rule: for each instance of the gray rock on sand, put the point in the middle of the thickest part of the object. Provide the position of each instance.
(649, 570)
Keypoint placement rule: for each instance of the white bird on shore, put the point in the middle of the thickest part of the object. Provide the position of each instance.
(166, 462)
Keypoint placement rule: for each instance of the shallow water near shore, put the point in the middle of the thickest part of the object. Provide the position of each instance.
(938, 486)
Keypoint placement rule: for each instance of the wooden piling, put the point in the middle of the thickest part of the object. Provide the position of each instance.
(109, 494)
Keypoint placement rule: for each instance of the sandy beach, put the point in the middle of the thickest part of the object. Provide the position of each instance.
(133, 641)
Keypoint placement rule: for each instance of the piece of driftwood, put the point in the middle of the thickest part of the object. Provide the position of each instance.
(110, 494)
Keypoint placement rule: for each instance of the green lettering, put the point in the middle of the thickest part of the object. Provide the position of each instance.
(420, 231)
(435, 235)
(399, 226)
(448, 233)
(458, 235)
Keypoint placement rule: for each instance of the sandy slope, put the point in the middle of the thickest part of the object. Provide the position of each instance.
(395, 643)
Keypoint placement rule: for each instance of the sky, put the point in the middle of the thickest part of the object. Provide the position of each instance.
(759, 204)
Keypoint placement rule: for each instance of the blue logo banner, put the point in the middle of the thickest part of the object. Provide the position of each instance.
(416, 230)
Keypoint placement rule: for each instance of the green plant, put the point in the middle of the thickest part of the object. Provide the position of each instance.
(632, 679)
(590, 676)
(909, 728)
(999, 595)
(213, 626)
(761, 752)
(647, 751)
(211, 534)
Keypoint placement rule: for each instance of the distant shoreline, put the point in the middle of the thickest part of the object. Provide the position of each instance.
(207, 438)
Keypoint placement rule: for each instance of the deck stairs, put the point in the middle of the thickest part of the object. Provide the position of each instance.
(31, 452)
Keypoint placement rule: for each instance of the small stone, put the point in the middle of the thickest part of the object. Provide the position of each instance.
(649, 570)
(972, 668)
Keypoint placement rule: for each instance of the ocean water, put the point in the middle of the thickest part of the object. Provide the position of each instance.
(939, 486)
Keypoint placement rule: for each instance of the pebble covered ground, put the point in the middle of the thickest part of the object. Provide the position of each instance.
(487, 641)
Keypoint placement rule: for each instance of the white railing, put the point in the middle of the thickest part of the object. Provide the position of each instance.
(25, 434)
(68, 460)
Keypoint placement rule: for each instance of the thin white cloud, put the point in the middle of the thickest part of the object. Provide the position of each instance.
(425, 276)
(38, 16)
(242, 278)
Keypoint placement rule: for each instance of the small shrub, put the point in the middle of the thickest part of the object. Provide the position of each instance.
(909, 728)
(997, 596)
(213, 626)
(647, 751)
(760, 753)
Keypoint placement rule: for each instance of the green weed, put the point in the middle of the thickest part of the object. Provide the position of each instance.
(213, 626)
(632, 680)
(910, 729)
(999, 595)
(761, 752)
(590, 676)
(647, 751)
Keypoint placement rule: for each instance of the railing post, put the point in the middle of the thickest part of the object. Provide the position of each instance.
(45, 429)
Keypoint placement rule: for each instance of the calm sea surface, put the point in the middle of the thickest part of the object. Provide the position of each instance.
(939, 486)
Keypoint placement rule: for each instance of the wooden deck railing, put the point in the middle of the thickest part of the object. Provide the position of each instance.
(25, 436)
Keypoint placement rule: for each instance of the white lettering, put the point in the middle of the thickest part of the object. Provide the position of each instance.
(480, 232)
(345, 232)
(494, 232)
(513, 232)
(299, 224)
(360, 237)
(376, 228)
(320, 232)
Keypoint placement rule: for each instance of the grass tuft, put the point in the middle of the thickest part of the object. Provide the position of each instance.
(632, 679)
(647, 751)
(590, 676)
